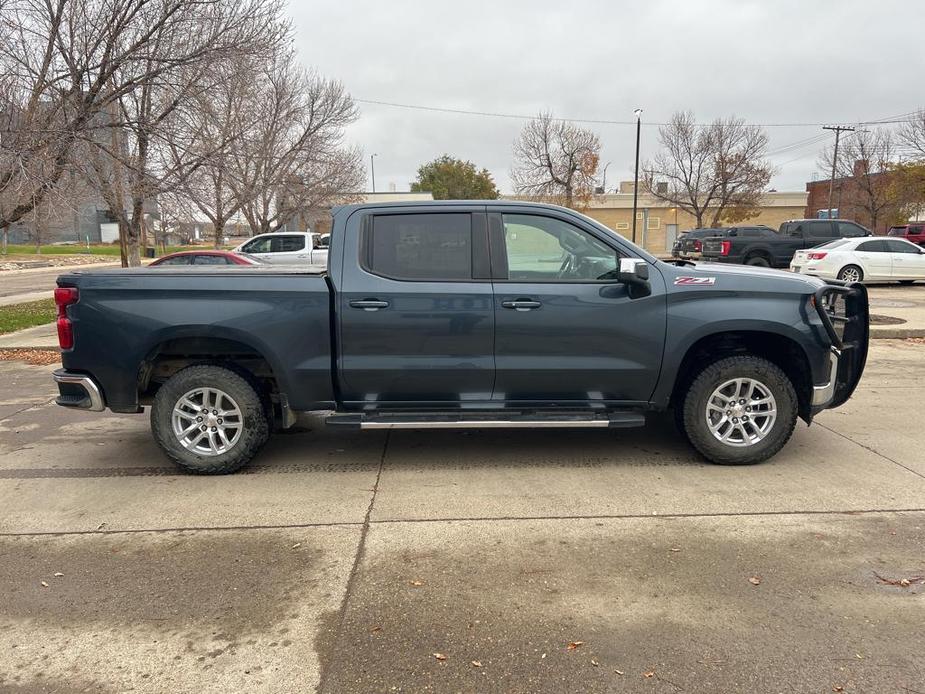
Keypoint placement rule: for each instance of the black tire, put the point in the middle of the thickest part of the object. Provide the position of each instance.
(711, 378)
(844, 271)
(906, 281)
(253, 434)
(758, 261)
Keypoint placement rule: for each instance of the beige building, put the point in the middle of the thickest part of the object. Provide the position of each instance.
(658, 223)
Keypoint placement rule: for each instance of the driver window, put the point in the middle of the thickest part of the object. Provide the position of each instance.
(545, 249)
(261, 245)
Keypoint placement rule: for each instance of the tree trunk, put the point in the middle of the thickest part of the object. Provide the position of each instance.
(135, 230)
(4, 239)
(699, 215)
(219, 226)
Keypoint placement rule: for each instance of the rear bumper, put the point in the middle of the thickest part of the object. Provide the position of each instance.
(78, 391)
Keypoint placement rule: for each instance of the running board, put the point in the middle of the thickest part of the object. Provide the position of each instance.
(494, 420)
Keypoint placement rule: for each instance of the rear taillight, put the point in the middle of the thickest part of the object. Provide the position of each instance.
(698, 246)
(64, 297)
(725, 246)
(817, 256)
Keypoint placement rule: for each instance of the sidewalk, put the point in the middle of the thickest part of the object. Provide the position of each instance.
(39, 337)
(27, 297)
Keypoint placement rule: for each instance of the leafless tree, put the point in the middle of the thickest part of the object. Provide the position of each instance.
(556, 160)
(866, 159)
(293, 159)
(912, 134)
(718, 170)
(106, 75)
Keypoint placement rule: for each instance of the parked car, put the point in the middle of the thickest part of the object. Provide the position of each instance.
(461, 314)
(288, 248)
(201, 257)
(913, 232)
(689, 245)
(762, 247)
(863, 259)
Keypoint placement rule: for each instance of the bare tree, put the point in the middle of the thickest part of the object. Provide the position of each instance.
(293, 159)
(108, 73)
(717, 170)
(556, 160)
(866, 159)
(912, 134)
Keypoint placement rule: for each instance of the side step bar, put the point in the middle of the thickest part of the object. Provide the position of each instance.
(494, 420)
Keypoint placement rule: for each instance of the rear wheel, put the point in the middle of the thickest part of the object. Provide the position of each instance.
(906, 281)
(851, 273)
(740, 410)
(758, 261)
(209, 420)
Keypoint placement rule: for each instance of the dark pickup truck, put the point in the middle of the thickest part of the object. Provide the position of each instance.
(761, 246)
(460, 314)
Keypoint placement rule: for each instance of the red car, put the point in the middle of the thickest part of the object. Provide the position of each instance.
(205, 258)
(913, 231)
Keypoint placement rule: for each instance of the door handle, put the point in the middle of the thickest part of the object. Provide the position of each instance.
(369, 304)
(521, 304)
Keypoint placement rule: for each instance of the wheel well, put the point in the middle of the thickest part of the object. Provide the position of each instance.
(778, 349)
(171, 356)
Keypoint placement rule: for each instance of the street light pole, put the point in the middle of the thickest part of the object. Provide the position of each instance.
(638, 113)
(372, 168)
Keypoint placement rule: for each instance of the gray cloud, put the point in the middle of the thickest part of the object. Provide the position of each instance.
(780, 61)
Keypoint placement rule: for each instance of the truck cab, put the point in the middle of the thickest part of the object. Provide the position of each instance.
(288, 248)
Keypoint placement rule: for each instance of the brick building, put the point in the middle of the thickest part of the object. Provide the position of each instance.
(850, 198)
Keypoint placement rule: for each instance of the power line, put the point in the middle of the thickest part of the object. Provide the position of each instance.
(901, 118)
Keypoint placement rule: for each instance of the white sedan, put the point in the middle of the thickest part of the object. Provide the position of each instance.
(863, 259)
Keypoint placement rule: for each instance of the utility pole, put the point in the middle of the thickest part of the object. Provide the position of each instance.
(838, 131)
(372, 166)
(638, 114)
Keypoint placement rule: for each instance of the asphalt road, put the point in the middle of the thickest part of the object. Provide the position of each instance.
(13, 283)
(344, 562)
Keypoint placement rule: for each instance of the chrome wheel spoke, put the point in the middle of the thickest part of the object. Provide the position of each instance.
(207, 421)
(741, 412)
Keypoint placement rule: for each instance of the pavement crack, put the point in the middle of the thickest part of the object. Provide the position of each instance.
(357, 561)
(872, 450)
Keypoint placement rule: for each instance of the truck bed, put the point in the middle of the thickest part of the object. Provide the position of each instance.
(127, 317)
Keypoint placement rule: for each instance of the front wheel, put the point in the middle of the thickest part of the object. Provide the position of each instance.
(740, 410)
(209, 420)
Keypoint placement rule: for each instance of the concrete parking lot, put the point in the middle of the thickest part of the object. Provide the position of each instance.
(481, 561)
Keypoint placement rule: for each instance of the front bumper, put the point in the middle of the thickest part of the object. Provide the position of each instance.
(78, 391)
(844, 313)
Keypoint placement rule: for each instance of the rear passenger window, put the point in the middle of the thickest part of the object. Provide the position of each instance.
(209, 260)
(818, 230)
(872, 247)
(287, 244)
(420, 246)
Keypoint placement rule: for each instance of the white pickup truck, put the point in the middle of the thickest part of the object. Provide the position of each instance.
(288, 248)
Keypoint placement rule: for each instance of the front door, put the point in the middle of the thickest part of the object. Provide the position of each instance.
(415, 309)
(565, 329)
(908, 260)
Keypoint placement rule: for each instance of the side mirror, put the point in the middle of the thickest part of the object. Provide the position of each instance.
(634, 273)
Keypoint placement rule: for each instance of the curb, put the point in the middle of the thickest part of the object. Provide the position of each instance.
(61, 268)
(896, 333)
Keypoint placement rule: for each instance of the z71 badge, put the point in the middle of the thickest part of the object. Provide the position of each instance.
(695, 280)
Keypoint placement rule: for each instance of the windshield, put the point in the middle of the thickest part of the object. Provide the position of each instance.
(896, 231)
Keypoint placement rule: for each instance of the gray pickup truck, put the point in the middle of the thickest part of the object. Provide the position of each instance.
(460, 314)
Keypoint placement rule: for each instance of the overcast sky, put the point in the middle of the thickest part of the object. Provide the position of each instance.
(768, 61)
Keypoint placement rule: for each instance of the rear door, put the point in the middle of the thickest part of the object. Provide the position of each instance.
(565, 329)
(416, 323)
(875, 259)
(792, 238)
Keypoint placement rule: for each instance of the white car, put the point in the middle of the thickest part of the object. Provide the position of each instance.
(864, 259)
(288, 248)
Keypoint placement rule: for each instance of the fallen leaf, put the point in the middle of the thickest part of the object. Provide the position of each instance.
(619, 672)
(675, 549)
(375, 629)
(439, 656)
(476, 663)
(416, 583)
(296, 545)
(574, 644)
(100, 526)
(542, 656)
(44, 585)
(904, 582)
(837, 688)
(58, 574)
(650, 673)
(859, 656)
(595, 663)
(755, 580)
